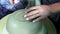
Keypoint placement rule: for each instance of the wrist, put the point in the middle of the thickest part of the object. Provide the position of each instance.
(50, 9)
(47, 9)
(55, 8)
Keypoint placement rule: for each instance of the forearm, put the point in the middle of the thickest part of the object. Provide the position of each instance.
(55, 8)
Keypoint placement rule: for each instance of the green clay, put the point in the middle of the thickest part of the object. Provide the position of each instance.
(17, 24)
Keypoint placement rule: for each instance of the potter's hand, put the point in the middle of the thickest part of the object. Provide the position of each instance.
(37, 13)
(12, 2)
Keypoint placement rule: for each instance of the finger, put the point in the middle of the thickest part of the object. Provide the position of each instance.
(28, 11)
(31, 13)
(39, 18)
(31, 9)
(11, 1)
(32, 17)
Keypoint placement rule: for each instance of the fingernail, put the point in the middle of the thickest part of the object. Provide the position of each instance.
(33, 21)
(24, 15)
(27, 19)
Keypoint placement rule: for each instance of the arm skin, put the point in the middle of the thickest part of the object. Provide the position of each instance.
(55, 8)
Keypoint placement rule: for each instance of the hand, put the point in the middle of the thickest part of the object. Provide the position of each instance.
(12, 2)
(37, 13)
